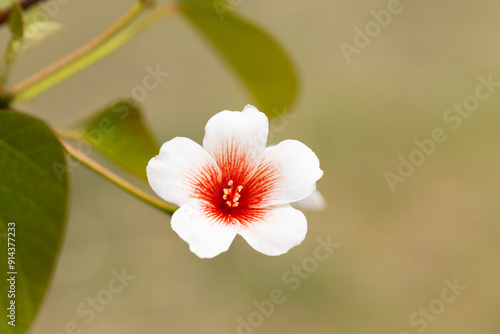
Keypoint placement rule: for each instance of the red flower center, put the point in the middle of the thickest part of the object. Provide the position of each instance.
(232, 194)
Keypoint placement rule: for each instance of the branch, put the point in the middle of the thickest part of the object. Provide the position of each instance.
(117, 180)
(101, 46)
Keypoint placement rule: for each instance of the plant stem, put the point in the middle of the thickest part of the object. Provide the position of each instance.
(73, 62)
(117, 180)
(152, 18)
(70, 134)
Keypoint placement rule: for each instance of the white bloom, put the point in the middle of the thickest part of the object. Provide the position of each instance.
(235, 185)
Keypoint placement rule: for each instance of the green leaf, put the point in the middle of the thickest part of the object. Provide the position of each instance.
(256, 57)
(16, 22)
(120, 134)
(33, 196)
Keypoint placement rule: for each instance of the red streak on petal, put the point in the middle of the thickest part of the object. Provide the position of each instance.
(263, 182)
(242, 217)
(236, 161)
(204, 182)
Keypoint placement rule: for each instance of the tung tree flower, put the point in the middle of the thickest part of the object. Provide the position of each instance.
(235, 185)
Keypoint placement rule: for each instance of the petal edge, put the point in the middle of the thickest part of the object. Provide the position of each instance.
(288, 173)
(283, 229)
(206, 237)
(182, 170)
(237, 140)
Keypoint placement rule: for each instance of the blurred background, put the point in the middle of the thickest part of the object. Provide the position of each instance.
(399, 248)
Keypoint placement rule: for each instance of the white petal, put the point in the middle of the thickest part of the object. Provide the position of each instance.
(206, 236)
(288, 173)
(313, 202)
(237, 140)
(182, 171)
(283, 228)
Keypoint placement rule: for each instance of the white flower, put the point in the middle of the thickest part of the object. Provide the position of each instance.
(235, 185)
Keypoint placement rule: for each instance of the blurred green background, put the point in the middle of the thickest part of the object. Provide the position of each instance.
(396, 248)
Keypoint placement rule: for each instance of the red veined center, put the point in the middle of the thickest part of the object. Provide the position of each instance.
(232, 194)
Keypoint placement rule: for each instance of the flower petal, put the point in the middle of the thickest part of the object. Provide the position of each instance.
(237, 141)
(288, 173)
(283, 228)
(313, 202)
(182, 171)
(206, 236)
